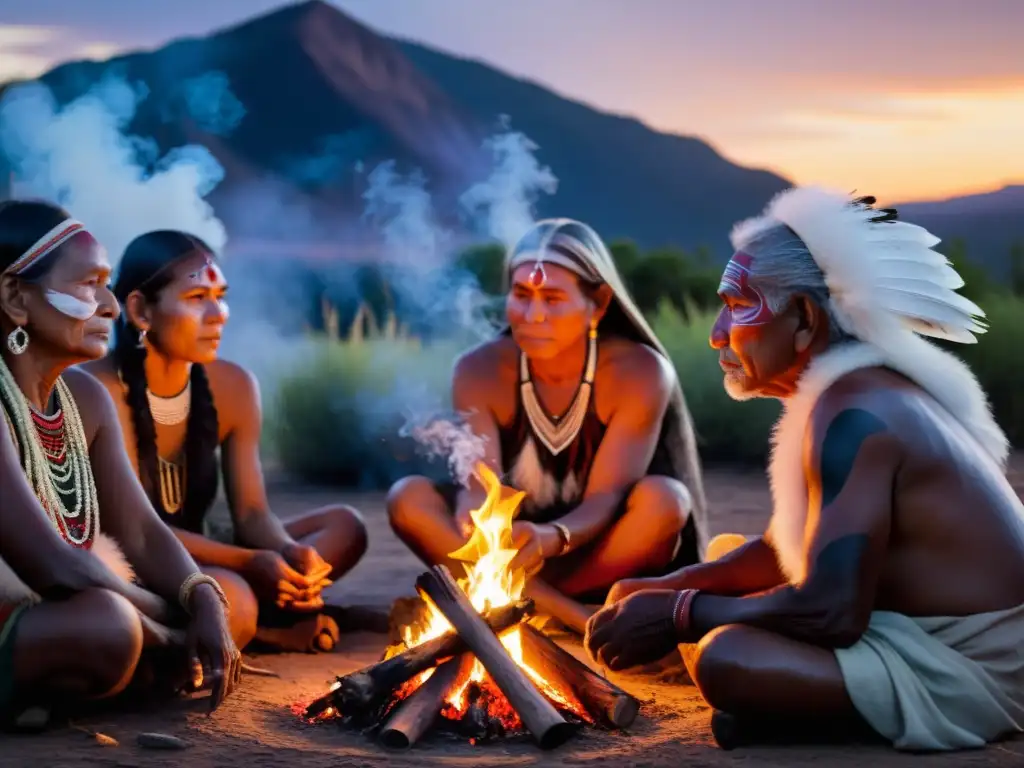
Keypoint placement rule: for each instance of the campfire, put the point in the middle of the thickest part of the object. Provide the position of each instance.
(470, 663)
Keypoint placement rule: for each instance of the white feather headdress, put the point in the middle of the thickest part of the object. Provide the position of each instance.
(878, 271)
(887, 285)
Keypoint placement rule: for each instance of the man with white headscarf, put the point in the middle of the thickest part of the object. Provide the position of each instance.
(889, 586)
(581, 409)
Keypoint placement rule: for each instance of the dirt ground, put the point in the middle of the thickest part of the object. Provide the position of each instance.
(257, 726)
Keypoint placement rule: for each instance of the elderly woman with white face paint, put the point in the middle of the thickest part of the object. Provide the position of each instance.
(90, 579)
(178, 404)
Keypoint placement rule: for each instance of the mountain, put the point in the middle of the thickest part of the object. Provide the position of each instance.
(325, 99)
(990, 223)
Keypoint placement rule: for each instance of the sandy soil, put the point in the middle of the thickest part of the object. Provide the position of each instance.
(257, 726)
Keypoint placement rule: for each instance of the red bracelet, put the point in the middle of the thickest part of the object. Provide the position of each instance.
(681, 610)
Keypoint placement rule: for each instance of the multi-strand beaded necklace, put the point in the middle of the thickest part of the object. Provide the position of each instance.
(55, 457)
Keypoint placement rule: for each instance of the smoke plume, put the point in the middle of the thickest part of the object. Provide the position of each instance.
(502, 207)
(79, 156)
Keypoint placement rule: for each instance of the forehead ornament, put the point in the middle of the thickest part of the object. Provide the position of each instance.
(538, 276)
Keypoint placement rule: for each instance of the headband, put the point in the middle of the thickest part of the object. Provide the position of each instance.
(45, 245)
(560, 249)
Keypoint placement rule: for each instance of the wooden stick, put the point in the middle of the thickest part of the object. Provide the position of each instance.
(537, 713)
(551, 602)
(417, 713)
(604, 700)
(365, 687)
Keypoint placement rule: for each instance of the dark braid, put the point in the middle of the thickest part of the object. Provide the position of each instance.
(147, 267)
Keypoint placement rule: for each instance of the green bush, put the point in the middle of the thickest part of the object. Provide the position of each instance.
(338, 418)
(998, 362)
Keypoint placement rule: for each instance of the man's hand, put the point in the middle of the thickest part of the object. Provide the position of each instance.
(210, 644)
(535, 544)
(681, 579)
(638, 630)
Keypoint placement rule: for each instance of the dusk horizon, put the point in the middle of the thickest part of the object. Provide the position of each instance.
(818, 96)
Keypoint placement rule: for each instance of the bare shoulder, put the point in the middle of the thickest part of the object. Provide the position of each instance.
(487, 362)
(236, 393)
(92, 398)
(103, 370)
(634, 368)
(231, 377)
(869, 403)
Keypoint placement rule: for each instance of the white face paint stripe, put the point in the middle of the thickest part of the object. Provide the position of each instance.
(72, 306)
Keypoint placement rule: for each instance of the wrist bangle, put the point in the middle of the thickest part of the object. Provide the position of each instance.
(681, 610)
(188, 587)
(563, 534)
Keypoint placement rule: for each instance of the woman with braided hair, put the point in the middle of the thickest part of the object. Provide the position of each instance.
(178, 404)
(88, 573)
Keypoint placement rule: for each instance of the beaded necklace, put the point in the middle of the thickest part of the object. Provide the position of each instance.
(55, 457)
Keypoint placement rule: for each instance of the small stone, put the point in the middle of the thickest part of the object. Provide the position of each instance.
(33, 720)
(160, 741)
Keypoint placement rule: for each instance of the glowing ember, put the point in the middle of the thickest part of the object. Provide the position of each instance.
(489, 584)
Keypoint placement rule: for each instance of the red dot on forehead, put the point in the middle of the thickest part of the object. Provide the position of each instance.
(211, 273)
(537, 276)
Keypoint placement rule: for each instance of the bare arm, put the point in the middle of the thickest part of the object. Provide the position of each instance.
(627, 447)
(851, 470)
(31, 545)
(257, 526)
(159, 559)
(750, 568)
(208, 552)
(471, 382)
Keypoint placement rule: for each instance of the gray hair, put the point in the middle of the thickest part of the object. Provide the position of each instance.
(783, 267)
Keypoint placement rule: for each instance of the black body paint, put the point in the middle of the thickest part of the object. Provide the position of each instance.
(840, 446)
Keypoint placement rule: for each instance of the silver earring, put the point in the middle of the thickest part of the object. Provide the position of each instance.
(142, 340)
(17, 341)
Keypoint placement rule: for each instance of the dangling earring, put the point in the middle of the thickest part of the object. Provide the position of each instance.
(17, 341)
(593, 328)
(141, 344)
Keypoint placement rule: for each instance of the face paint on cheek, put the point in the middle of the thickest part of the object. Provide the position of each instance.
(736, 281)
(72, 306)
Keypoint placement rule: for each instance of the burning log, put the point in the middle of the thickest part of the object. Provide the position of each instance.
(604, 700)
(541, 718)
(368, 686)
(417, 713)
(551, 602)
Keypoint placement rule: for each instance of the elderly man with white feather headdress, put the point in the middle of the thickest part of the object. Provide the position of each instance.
(888, 589)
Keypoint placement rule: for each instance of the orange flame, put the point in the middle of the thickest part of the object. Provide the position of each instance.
(489, 584)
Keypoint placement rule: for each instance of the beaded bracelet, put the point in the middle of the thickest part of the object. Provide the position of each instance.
(681, 610)
(189, 586)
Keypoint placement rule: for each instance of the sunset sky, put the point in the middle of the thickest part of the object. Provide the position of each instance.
(907, 99)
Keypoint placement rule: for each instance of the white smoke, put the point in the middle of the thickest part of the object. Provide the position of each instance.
(456, 443)
(420, 253)
(79, 157)
(502, 206)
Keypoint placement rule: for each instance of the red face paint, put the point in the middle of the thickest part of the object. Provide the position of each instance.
(736, 282)
(538, 276)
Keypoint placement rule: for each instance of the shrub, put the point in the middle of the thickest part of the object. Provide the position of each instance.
(998, 363)
(337, 419)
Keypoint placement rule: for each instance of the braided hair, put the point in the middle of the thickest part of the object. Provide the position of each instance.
(147, 267)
